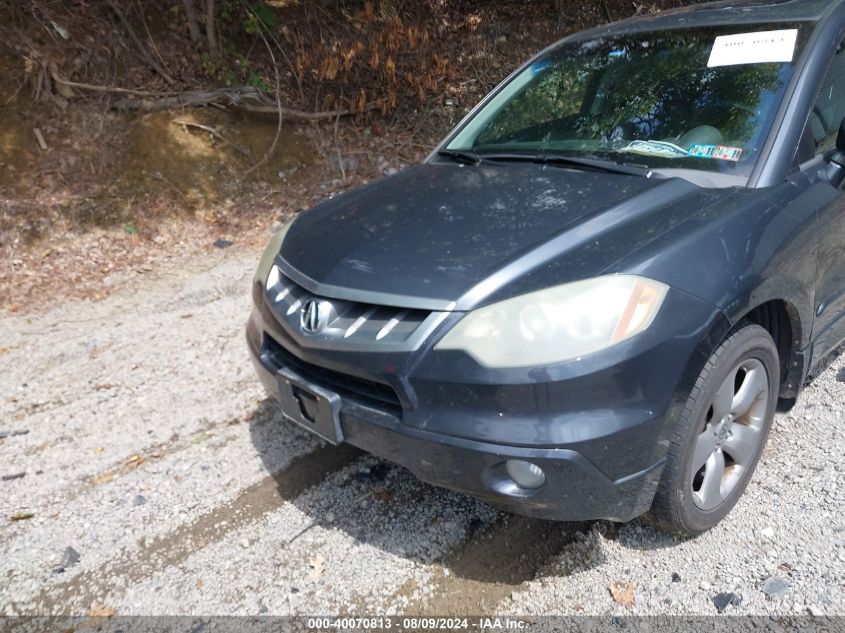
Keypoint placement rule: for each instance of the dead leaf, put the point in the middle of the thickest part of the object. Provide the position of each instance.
(134, 461)
(21, 516)
(317, 565)
(383, 495)
(104, 478)
(623, 592)
(100, 349)
(98, 611)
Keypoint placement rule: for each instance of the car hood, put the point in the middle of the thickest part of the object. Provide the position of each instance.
(457, 234)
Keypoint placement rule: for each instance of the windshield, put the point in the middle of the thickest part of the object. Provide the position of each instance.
(694, 99)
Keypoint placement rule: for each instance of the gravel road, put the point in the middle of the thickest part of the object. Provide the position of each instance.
(145, 472)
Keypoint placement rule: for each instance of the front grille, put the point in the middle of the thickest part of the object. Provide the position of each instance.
(369, 392)
(345, 323)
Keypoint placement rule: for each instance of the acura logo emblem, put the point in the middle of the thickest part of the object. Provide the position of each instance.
(311, 317)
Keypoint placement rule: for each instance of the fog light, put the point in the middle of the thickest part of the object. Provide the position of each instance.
(525, 474)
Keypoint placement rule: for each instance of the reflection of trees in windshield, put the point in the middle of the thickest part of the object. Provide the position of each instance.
(637, 89)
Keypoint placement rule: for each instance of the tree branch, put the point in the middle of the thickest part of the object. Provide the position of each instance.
(139, 45)
(236, 97)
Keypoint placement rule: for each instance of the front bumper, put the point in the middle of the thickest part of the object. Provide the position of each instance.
(574, 490)
(599, 433)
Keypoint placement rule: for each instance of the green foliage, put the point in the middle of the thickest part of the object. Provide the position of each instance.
(239, 19)
(259, 16)
(256, 80)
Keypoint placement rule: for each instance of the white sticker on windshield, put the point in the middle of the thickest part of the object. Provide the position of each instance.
(753, 48)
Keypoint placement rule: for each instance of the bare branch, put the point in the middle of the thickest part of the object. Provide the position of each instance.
(139, 45)
(215, 133)
(104, 89)
(309, 116)
(247, 98)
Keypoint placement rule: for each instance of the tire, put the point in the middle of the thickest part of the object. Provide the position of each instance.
(692, 501)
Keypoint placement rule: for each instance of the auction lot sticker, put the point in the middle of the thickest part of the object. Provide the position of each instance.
(753, 48)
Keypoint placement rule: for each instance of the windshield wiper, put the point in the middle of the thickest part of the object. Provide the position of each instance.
(460, 156)
(595, 164)
(598, 164)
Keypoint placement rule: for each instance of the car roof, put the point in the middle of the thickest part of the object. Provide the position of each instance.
(763, 10)
(726, 12)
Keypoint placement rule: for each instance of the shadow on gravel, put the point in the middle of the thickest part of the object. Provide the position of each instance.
(824, 365)
(385, 506)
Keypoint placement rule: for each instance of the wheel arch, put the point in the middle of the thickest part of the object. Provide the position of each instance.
(782, 319)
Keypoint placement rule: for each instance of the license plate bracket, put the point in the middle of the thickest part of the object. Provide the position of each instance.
(310, 406)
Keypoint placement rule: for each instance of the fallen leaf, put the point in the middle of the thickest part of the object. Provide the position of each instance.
(623, 592)
(383, 495)
(100, 349)
(134, 461)
(21, 516)
(104, 478)
(98, 611)
(317, 565)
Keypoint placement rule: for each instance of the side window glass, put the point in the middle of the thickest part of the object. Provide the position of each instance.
(829, 109)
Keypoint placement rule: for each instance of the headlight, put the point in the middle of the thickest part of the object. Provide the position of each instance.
(558, 324)
(273, 248)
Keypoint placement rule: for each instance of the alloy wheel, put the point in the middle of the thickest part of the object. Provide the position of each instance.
(732, 434)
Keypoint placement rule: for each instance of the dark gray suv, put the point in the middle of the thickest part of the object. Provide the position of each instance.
(589, 301)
